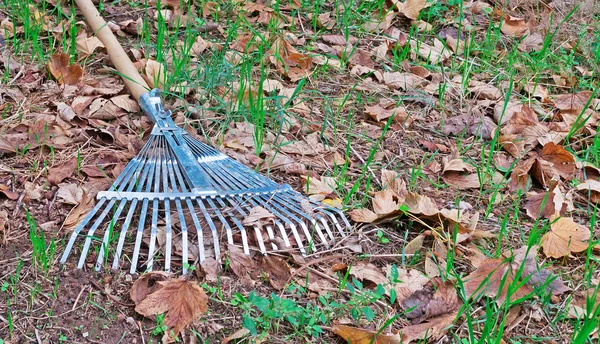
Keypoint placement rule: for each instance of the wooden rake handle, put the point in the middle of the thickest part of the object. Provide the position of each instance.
(134, 81)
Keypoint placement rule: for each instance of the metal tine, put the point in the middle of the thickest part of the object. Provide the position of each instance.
(155, 207)
(144, 210)
(190, 205)
(99, 205)
(218, 175)
(239, 225)
(139, 182)
(218, 172)
(130, 183)
(296, 207)
(182, 224)
(167, 206)
(212, 226)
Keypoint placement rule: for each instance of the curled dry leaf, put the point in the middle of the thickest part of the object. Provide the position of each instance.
(181, 300)
(515, 27)
(356, 335)
(154, 73)
(61, 69)
(565, 237)
(78, 213)
(69, 193)
(435, 299)
(546, 204)
(239, 334)
(459, 174)
(146, 284)
(258, 216)
(289, 61)
(591, 188)
(553, 160)
(6, 192)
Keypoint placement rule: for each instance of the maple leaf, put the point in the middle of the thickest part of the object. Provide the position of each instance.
(183, 301)
(63, 71)
(86, 45)
(356, 335)
(572, 102)
(565, 237)
(492, 278)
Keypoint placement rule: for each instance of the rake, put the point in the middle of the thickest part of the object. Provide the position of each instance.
(178, 188)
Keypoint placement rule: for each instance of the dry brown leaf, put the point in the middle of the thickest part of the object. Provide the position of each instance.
(379, 113)
(402, 81)
(69, 193)
(61, 69)
(532, 42)
(368, 273)
(433, 329)
(183, 301)
(288, 61)
(572, 102)
(492, 278)
(515, 27)
(6, 192)
(86, 45)
(394, 181)
(459, 174)
(58, 173)
(146, 284)
(339, 39)
(210, 268)
(483, 127)
(320, 187)
(561, 163)
(125, 102)
(78, 213)
(356, 335)
(591, 188)
(409, 282)
(239, 334)
(435, 299)
(363, 215)
(277, 269)
(565, 237)
(385, 202)
(418, 204)
(410, 8)
(240, 263)
(584, 303)
(154, 73)
(534, 275)
(546, 204)
(414, 245)
(258, 216)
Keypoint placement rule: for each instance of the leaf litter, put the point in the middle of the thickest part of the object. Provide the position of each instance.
(541, 139)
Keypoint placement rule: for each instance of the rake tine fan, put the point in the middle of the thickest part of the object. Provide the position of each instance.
(179, 195)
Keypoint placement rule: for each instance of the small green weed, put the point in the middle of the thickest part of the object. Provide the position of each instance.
(43, 253)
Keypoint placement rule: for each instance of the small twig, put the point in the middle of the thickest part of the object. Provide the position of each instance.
(139, 324)
(16, 76)
(37, 336)
(78, 296)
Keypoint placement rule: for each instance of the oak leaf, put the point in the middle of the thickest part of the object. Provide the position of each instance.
(565, 237)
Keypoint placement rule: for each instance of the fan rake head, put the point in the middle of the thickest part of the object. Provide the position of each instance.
(179, 198)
